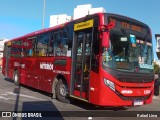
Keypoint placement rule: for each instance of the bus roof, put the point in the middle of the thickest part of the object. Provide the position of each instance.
(32, 34)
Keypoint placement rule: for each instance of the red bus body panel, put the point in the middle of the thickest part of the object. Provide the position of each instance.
(34, 73)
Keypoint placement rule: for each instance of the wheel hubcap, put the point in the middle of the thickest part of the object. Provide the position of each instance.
(16, 78)
(63, 91)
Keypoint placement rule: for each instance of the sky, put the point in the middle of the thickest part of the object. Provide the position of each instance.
(19, 17)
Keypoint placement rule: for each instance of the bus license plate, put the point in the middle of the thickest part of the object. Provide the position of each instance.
(138, 102)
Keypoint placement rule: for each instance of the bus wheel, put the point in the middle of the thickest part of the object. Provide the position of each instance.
(16, 78)
(62, 92)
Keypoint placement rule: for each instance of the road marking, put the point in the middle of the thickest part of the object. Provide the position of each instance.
(4, 98)
(27, 96)
(4, 94)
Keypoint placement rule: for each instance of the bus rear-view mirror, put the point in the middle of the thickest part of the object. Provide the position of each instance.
(105, 35)
(105, 39)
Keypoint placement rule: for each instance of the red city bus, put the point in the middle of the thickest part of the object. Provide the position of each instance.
(104, 59)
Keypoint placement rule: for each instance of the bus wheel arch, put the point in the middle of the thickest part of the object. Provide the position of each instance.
(61, 89)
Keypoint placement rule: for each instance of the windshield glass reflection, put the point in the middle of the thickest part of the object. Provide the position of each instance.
(128, 52)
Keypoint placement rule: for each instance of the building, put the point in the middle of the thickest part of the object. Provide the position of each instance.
(158, 45)
(83, 10)
(59, 19)
(2, 40)
(79, 11)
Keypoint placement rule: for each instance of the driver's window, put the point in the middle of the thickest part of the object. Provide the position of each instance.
(117, 46)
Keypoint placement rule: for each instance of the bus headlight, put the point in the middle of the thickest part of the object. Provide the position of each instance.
(109, 84)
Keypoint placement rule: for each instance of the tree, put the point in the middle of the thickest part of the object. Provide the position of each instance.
(156, 68)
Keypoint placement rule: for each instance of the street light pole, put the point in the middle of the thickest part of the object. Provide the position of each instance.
(43, 16)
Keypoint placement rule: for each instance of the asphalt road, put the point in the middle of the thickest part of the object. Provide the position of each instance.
(27, 101)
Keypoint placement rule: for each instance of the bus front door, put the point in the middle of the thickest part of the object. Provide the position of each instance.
(81, 62)
(7, 56)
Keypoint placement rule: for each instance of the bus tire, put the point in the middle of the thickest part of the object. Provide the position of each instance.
(53, 95)
(62, 91)
(16, 78)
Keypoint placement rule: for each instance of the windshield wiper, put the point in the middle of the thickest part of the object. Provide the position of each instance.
(124, 32)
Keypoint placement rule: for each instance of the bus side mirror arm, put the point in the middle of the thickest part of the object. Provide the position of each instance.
(105, 39)
(105, 33)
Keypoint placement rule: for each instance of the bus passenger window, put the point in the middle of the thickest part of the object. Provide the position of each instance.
(61, 50)
(42, 52)
(60, 44)
(31, 51)
(50, 49)
(42, 44)
(23, 53)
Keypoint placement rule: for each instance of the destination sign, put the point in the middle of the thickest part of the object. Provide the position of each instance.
(83, 25)
(127, 25)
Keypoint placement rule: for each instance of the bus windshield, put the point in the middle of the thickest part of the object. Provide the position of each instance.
(129, 51)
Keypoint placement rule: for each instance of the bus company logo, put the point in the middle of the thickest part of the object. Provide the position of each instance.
(147, 92)
(46, 66)
(126, 91)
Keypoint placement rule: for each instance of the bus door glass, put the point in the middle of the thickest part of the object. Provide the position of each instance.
(7, 55)
(82, 62)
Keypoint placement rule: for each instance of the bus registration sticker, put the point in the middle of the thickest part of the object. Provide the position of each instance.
(138, 102)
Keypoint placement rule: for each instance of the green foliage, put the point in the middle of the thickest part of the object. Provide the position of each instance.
(156, 68)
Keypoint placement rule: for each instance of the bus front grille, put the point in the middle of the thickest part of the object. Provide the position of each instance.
(133, 97)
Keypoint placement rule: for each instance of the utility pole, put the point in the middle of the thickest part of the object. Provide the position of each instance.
(43, 16)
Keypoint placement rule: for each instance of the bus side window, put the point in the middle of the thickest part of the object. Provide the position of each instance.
(50, 49)
(67, 39)
(42, 44)
(23, 53)
(32, 50)
(60, 45)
